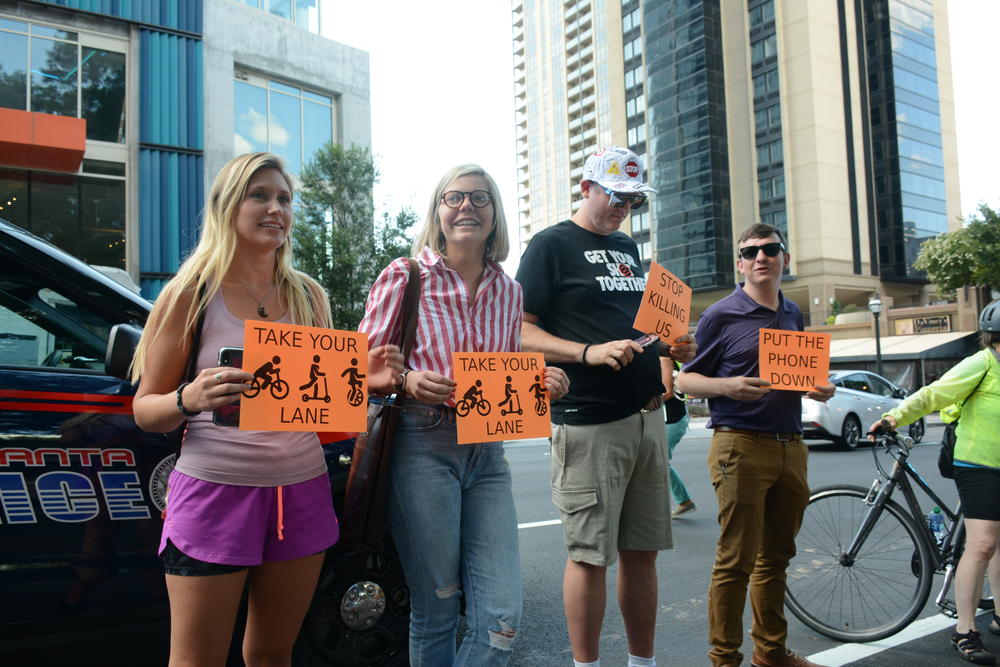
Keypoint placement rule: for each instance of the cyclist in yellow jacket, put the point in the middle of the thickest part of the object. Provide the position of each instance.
(974, 382)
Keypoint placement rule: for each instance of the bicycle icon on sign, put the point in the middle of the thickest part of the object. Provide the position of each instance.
(473, 399)
(268, 376)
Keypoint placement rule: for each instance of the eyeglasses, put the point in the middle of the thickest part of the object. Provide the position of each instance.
(620, 199)
(770, 250)
(455, 198)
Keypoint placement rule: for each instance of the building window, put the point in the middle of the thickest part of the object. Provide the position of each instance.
(636, 134)
(763, 49)
(68, 77)
(761, 14)
(633, 48)
(767, 117)
(772, 188)
(289, 121)
(631, 20)
(636, 105)
(640, 221)
(303, 13)
(765, 83)
(769, 153)
(82, 214)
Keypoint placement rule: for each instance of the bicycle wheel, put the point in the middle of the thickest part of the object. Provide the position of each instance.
(876, 595)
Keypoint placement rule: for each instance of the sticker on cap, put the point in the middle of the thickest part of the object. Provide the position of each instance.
(632, 169)
(613, 169)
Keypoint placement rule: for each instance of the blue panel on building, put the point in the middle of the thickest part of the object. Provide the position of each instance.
(170, 99)
(174, 14)
(171, 191)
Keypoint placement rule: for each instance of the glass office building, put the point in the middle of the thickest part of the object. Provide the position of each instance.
(831, 121)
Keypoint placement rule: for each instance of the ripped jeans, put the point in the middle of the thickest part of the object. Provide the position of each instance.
(451, 512)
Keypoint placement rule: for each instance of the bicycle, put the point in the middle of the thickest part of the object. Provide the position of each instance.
(864, 563)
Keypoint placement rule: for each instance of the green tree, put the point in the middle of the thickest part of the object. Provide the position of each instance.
(336, 239)
(966, 256)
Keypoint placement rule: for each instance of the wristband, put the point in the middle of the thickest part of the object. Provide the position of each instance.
(583, 354)
(180, 402)
(402, 380)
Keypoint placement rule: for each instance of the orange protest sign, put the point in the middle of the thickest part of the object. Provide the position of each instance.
(795, 360)
(500, 396)
(305, 378)
(666, 305)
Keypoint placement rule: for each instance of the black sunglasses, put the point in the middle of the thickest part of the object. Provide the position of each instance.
(770, 250)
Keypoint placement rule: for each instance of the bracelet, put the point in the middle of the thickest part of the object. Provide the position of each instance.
(180, 402)
(583, 354)
(402, 380)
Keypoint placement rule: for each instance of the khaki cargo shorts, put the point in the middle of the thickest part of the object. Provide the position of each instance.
(611, 484)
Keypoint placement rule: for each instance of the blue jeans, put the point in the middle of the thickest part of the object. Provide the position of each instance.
(451, 512)
(675, 432)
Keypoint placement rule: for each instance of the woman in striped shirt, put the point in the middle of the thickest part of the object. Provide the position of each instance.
(451, 510)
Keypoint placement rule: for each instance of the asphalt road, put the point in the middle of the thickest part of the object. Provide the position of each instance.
(684, 571)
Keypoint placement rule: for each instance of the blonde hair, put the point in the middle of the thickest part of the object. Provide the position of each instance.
(430, 236)
(200, 276)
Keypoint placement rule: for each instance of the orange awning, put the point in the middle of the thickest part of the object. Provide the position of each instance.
(41, 141)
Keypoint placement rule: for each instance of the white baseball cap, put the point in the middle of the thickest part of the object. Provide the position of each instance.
(617, 169)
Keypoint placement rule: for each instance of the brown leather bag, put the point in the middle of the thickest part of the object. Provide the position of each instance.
(364, 516)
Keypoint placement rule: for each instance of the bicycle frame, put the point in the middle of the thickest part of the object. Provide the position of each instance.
(942, 559)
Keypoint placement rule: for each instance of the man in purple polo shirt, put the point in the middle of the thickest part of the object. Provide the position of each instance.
(757, 458)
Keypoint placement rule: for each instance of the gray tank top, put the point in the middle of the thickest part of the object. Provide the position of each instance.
(227, 455)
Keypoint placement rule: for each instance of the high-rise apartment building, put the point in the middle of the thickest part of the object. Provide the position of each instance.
(832, 120)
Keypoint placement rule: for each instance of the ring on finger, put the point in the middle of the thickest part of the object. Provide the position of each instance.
(218, 378)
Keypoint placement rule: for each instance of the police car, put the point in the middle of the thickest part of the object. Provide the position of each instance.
(82, 489)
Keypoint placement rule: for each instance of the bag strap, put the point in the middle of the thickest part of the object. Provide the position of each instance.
(199, 324)
(981, 378)
(409, 309)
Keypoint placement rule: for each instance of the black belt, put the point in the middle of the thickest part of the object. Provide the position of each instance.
(654, 404)
(780, 437)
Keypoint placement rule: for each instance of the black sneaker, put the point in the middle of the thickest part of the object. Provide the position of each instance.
(970, 646)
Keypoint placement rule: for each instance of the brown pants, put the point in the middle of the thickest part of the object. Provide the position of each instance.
(762, 489)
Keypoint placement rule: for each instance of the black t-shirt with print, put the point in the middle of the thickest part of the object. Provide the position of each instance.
(586, 287)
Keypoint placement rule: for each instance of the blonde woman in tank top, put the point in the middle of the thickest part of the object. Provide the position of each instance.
(229, 485)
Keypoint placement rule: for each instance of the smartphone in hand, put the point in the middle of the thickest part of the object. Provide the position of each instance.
(229, 415)
(647, 340)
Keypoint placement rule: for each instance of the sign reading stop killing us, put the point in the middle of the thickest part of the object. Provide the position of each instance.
(666, 305)
(794, 360)
(500, 396)
(304, 378)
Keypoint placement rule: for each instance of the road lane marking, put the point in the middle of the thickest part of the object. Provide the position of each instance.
(848, 653)
(537, 524)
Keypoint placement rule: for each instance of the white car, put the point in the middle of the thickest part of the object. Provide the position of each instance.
(862, 397)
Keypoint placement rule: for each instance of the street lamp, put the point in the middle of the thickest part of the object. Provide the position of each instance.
(875, 305)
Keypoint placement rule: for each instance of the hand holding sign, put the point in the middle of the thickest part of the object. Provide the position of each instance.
(666, 305)
(794, 360)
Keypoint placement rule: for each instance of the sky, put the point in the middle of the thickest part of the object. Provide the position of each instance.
(442, 94)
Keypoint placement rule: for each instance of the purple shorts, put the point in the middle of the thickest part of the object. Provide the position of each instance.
(244, 525)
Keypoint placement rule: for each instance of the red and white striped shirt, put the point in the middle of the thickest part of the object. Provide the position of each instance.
(446, 322)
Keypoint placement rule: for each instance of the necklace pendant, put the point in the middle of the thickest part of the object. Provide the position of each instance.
(261, 311)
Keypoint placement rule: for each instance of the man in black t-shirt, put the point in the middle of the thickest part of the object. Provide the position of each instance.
(583, 283)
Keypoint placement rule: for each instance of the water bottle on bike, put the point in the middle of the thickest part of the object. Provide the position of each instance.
(935, 521)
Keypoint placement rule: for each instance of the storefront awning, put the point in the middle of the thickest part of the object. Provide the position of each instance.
(952, 345)
(41, 141)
